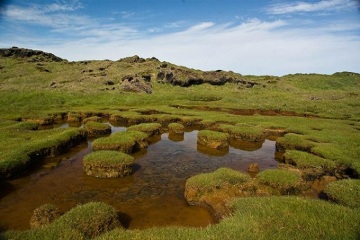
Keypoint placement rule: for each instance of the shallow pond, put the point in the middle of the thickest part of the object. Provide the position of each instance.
(152, 196)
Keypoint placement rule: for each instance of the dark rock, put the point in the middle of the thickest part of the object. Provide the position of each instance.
(163, 65)
(109, 82)
(136, 85)
(127, 77)
(34, 55)
(146, 77)
(133, 59)
(160, 75)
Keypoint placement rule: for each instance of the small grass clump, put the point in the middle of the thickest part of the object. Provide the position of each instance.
(74, 117)
(150, 129)
(121, 143)
(212, 139)
(108, 158)
(92, 119)
(345, 192)
(44, 215)
(294, 141)
(176, 128)
(108, 164)
(97, 128)
(244, 132)
(140, 138)
(217, 179)
(281, 181)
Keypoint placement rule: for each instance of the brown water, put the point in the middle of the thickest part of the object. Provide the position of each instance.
(152, 196)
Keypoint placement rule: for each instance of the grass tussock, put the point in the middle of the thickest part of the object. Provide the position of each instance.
(294, 141)
(176, 128)
(97, 128)
(282, 181)
(217, 179)
(212, 139)
(244, 132)
(345, 192)
(108, 158)
(149, 128)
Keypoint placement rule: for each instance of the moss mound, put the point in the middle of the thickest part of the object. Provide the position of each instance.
(212, 139)
(92, 119)
(282, 181)
(108, 164)
(293, 141)
(215, 188)
(44, 215)
(150, 129)
(345, 192)
(244, 132)
(118, 142)
(176, 128)
(97, 128)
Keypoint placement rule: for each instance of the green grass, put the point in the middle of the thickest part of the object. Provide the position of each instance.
(282, 181)
(94, 128)
(265, 218)
(244, 132)
(217, 179)
(213, 139)
(345, 192)
(108, 158)
(118, 142)
(19, 148)
(148, 128)
(176, 128)
(307, 160)
(293, 141)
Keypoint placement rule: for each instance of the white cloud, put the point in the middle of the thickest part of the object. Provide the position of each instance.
(324, 5)
(53, 15)
(253, 47)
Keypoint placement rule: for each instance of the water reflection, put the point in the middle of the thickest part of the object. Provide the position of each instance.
(152, 196)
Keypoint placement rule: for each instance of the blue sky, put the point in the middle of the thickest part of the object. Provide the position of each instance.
(265, 37)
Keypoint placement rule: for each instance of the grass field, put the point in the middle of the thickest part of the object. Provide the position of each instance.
(319, 116)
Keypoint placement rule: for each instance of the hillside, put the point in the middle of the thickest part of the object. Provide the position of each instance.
(33, 80)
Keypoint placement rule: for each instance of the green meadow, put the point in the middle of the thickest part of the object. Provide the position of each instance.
(317, 119)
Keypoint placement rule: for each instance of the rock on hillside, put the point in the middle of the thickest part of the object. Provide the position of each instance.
(33, 55)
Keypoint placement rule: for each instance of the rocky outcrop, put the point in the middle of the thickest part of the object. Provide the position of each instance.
(133, 59)
(137, 85)
(187, 77)
(33, 55)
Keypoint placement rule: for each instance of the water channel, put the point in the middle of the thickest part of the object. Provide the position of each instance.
(152, 196)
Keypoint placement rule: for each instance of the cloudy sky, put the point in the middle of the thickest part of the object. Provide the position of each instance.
(263, 37)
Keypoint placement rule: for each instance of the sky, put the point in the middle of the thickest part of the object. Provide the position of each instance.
(264, 37)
